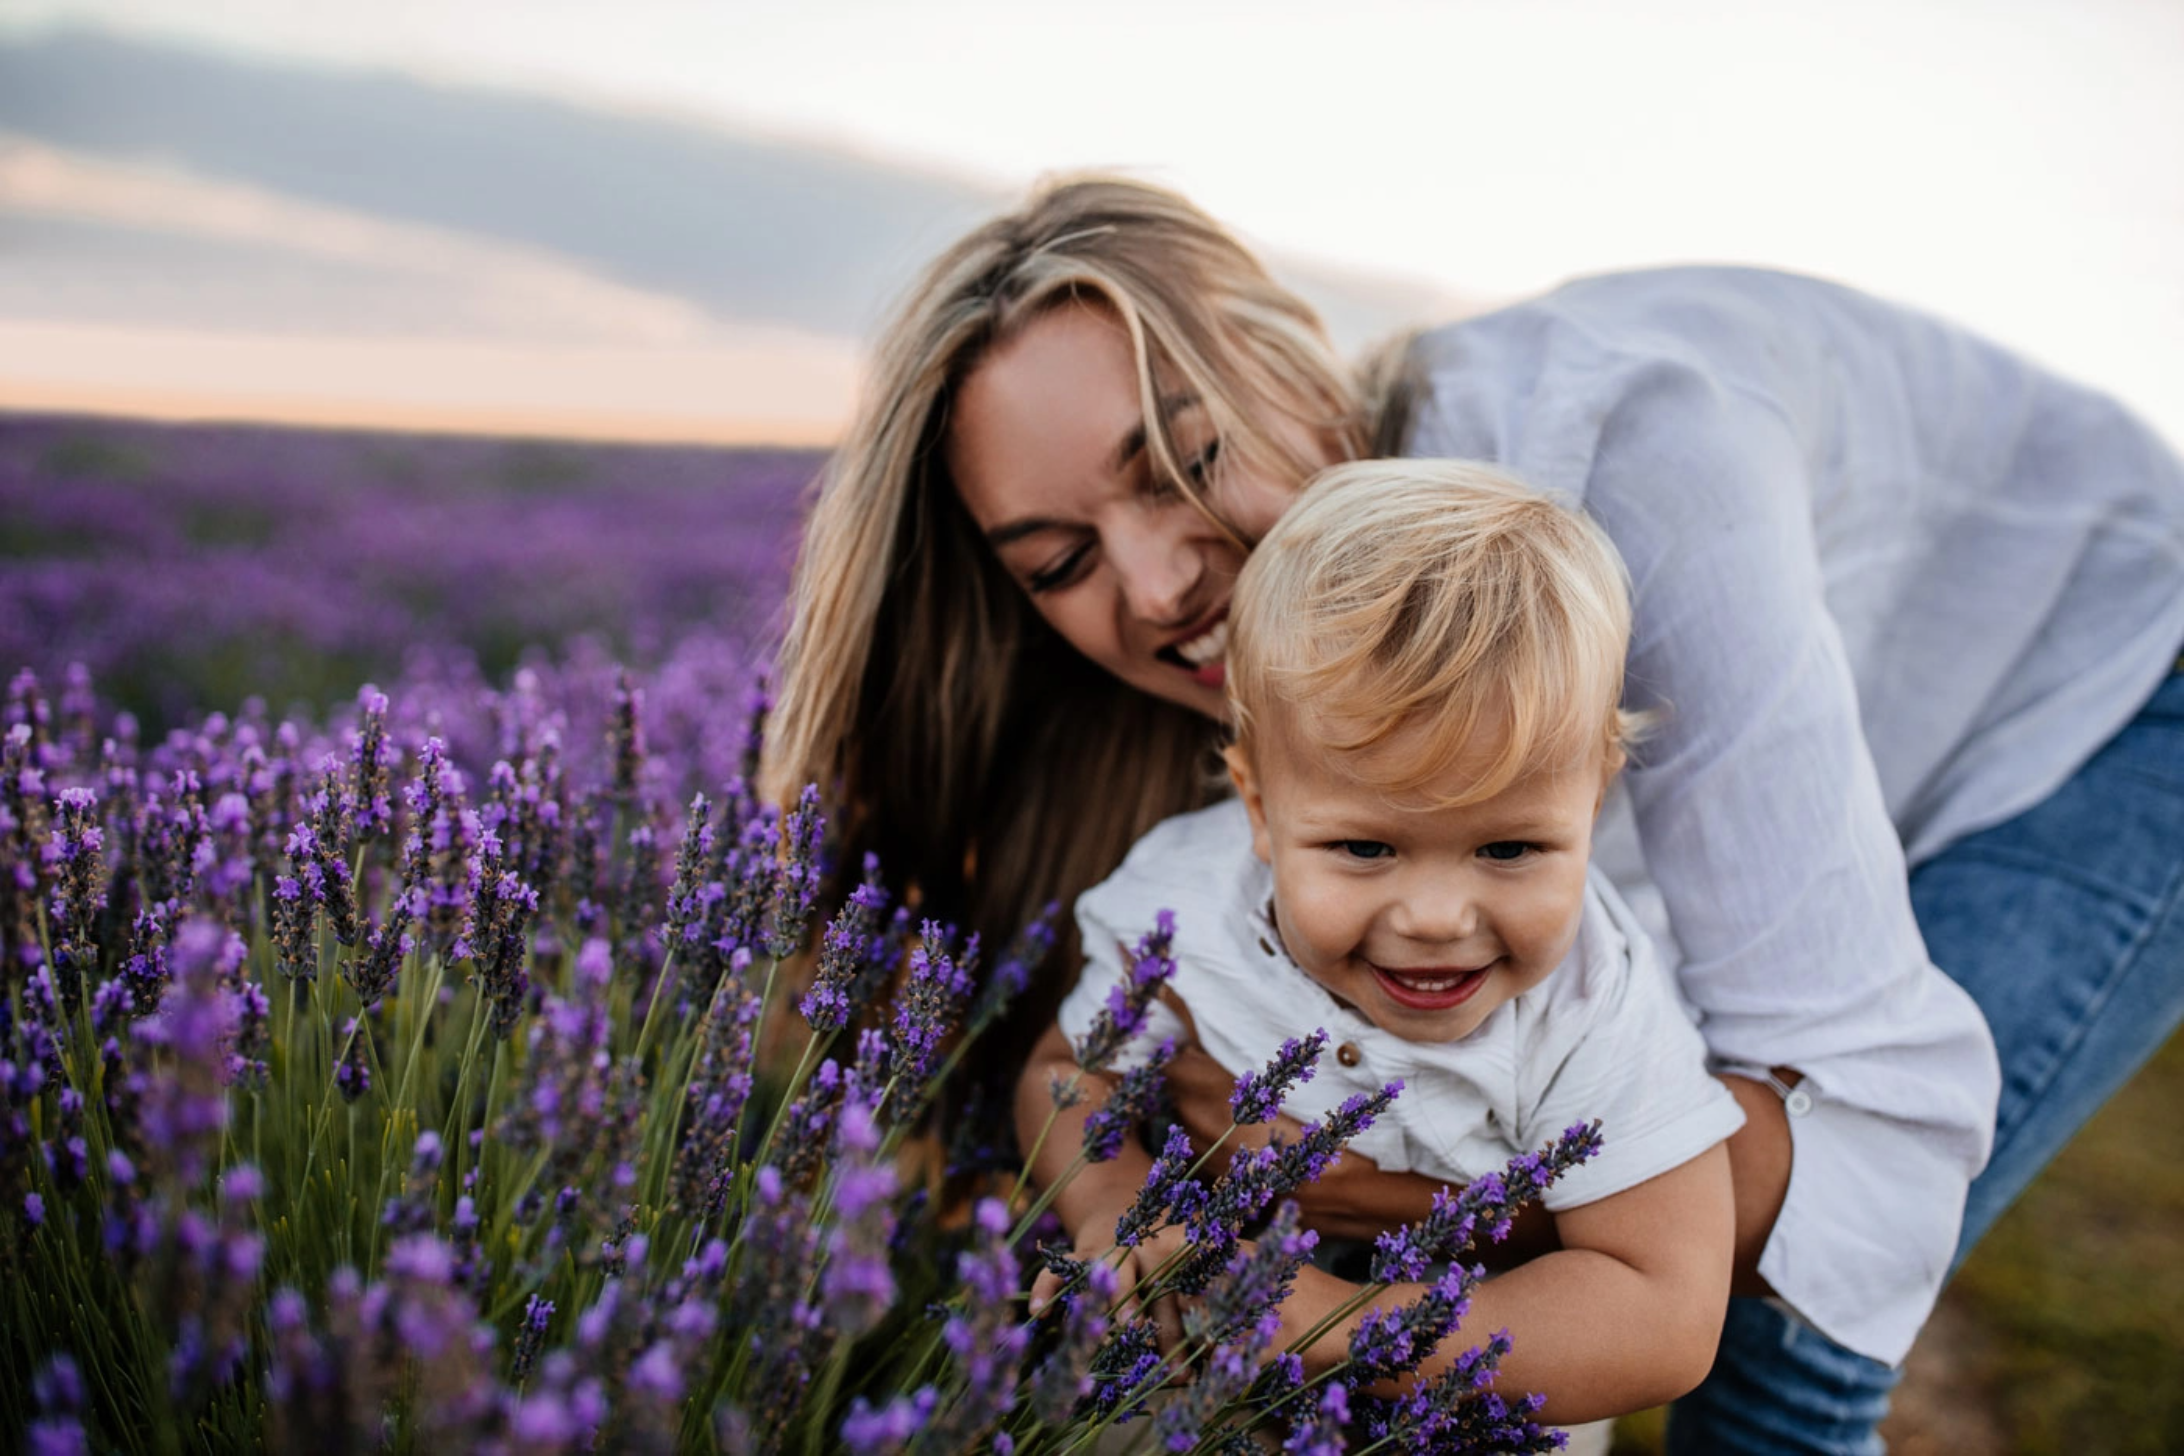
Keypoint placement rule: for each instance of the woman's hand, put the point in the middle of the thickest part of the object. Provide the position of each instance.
(1759, 1170)
(1096, 1243)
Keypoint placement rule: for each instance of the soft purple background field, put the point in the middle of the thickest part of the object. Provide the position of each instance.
(191, 566)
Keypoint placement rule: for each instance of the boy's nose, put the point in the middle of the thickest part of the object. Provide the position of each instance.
(1435, 915)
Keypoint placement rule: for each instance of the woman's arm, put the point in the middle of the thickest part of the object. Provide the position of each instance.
(1766, 828)
(1626, 1315)
(1097, 1194)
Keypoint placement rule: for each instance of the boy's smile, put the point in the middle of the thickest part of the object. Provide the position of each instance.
(1423, 919)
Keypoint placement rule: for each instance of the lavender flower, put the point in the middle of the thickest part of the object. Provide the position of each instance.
(373, 757)
(796, 886)
(372, 974)
(354, 1074)
(494, 934)
(939, 985)
(1168, 1195)
(845, 950)
(1134, 1096)
(1124, 1014)
(1258, 1096)
(57, 1389)
(887, 1430)
(719, 1088)
(1392, 1342)
(987, 1344)
(76, 864)
(182, 1106)
(1322, 1431)
(1404, 1254)
(1065, 1380)
(856, 1285)
(1322, 1143)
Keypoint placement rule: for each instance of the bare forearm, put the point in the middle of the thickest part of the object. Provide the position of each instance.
(1097, 1190)
(1628, 1316)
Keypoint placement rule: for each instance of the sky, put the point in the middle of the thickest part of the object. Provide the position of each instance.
(2018, 166)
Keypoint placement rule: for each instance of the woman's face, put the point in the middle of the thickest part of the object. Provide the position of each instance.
(1048, 450)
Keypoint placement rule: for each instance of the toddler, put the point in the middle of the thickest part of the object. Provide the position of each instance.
(1425, 664)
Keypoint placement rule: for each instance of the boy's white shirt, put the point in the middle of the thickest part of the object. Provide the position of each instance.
(1603, 1036)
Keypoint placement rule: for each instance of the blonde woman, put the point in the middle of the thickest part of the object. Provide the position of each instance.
(1908, 611)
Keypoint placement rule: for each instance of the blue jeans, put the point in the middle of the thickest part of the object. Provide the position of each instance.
(2066, 924)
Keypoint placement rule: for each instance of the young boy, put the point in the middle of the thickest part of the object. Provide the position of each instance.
(1425, 663)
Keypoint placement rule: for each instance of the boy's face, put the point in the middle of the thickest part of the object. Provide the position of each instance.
(1424, 920)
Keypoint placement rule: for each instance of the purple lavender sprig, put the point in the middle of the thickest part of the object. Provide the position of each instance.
(1012, 974)
(1458, 1410)
(984, 1339)
(372, 973)
(940, 983)
(796, 885)
(1321, 1145)
(718, 1090)
(495, 934)
(1259, 1095)
(75, 859)
(1064, 1380)
(1124, 1014)
(1136, 1093)
(1489, 1204)
(846, 949)
(370, 763)
(1169, 1195)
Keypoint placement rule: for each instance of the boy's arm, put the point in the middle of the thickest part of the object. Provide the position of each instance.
(1626, 1315)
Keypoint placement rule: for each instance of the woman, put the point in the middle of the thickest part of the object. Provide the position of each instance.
(1908, 608)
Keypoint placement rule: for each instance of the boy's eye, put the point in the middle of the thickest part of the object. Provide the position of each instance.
(1504, 850)
(1366, 849)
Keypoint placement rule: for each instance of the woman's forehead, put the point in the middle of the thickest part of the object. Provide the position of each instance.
(1050, 410)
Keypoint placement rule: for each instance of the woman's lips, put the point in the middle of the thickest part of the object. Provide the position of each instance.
(1434, 988)
(1203, 654)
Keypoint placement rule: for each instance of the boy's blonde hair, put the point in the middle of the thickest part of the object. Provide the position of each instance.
(1420, 607)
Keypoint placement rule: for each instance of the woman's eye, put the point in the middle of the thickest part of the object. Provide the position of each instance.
(1366, 849)
(1505, 850)
(1047, 578)
(1199, 468)
(1202, 466)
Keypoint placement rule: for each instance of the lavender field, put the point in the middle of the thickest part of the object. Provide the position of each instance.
(189, 568)
(432, 1066)
(470, 1061)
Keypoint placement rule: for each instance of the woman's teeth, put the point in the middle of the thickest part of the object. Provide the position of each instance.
(1209, 646)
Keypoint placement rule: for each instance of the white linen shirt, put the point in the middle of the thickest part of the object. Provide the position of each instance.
(1601, 1036)
(1891, 585)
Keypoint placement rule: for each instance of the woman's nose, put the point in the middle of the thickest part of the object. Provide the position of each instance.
(1158, 569)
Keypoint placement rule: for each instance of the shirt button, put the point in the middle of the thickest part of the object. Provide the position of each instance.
(1348, 1054)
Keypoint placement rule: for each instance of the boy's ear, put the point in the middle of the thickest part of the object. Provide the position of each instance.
(1617, 757)
(1247, 789)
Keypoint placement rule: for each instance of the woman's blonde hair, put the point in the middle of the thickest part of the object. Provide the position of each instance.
(1401, 612)
(989, 765)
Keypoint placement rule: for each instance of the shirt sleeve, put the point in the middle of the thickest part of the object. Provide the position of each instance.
(1764, 828)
